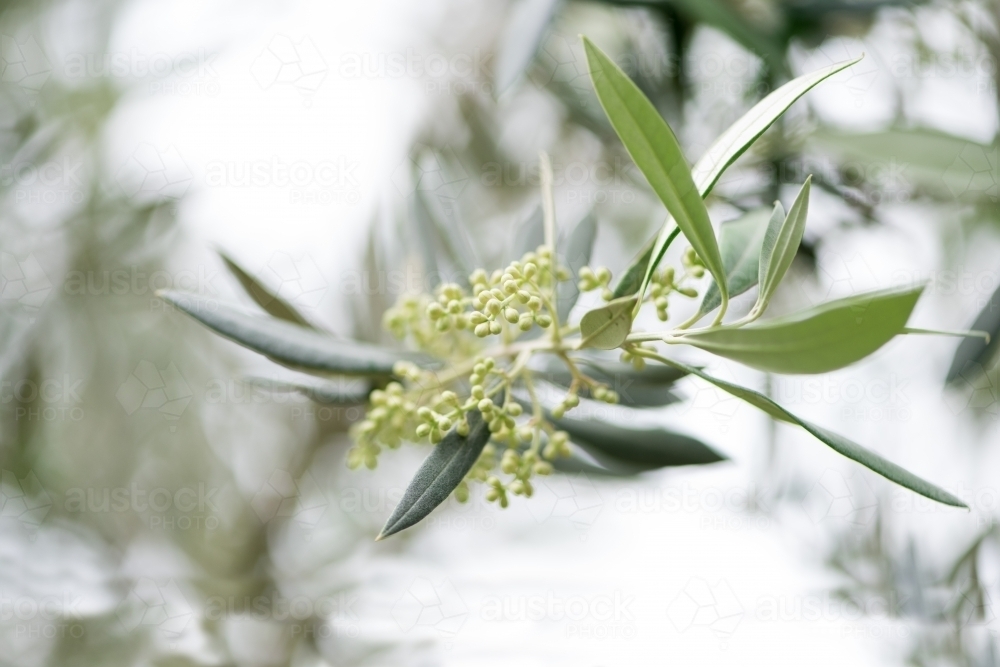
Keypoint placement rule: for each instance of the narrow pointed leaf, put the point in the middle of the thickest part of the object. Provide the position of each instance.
(654, 149)
(740, 242)
(577, 249)
(632, 278)
(607, 327)
(271, 303)
(781, 243)
(838, 443)
(646, 448)
(287, 343)
(741, 134)
(351, 392)
(521, 38)
(816, 340)
(730, 145)
(439, 474)
(974, 353)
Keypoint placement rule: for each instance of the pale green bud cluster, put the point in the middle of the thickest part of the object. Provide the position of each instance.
(515, 296)
(389, 422)
(599, 279)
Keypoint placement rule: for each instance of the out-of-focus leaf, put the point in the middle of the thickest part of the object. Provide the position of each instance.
(352, 392)
(740, 242)
(606, 328)
(578, 248)
(817, 340)
(521, 38)
(740, 135)
(444, 244)
(973, 353)
(942, 165)
(647, 388)
(654, 149)
(530, 234)
(287, 343)
(838, 443)
(781, 243)
(646, 448)
(721, 15)
(271, 303)
(439, 474)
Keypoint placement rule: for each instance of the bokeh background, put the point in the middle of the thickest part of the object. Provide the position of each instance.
(156, 510)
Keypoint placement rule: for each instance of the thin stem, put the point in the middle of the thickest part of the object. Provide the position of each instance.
(548, 203)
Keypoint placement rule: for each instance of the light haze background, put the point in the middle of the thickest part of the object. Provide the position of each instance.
(139, 137)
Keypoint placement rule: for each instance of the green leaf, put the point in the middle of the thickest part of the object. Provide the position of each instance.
(607, 327)
(650, 387)
(974, 353)
(654, 149)
(631, 280)
(521, 39)
(439, 474)
(817, 340)
(740, 136)
(645, 448)
(838, 443)
(578, 248)
(271, 303)
(287, 343)
(740, 242)
(729, 146)
(352, 392)
(781, 243)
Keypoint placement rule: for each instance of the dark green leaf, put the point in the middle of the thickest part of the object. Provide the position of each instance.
(578, 248)
(265, 298)
(631, 280)
(645, 448)
(440, 473)
(838, 443)
(654, 149)
(974, 353)
(287, 343)
(740, 242)
(607, 327)
(817, 340)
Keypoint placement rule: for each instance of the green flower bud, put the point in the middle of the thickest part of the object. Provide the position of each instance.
(463, 428)
(523, 297)
(514, 409)
(485, 405)
(530, 269)
(477, 318)
(511, 315)
(543, 321)
(436, 436)
(478, 392)
(435, 311)
(444, 324)
(607, 294)
(423, 430)
(454, 307)
(542, 468)
(493, 307)
(535, 303)
(662, 315)
(558, 412)
(495, 328)
(444, 424)
(492, 495)
(603, 275)
(462, 492)
(482, 330)
(525, 321)
(571, 401)
(688, 291)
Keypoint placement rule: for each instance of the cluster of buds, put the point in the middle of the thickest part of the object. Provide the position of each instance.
(447, 311)
(638, 362)
(600, 279)
(515, 294)
(388, 422)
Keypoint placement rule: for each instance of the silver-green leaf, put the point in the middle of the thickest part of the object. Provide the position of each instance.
(577, 249)
(521, 38)
(838, 443)
(781, 243)
(740, 242)
(606, 328)
(974, 352)
(439, 474)
(740, 136)
(816, 340)
(287, 343)
(265, 298)
(654, 149)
